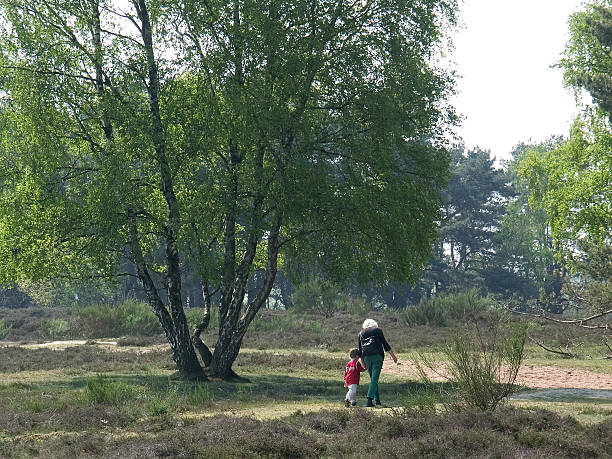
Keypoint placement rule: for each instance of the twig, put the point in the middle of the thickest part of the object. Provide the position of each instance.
(567, 355)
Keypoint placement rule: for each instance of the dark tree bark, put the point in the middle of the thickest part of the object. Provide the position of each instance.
(232, 333)
(176, 329)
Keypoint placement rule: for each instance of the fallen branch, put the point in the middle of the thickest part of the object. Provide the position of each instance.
(566, 355)
(578, 322)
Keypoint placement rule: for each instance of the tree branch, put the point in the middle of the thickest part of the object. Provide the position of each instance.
(566, 355)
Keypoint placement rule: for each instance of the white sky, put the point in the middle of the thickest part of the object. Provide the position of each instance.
(508, 93)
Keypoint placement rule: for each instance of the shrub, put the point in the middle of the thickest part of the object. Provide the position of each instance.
(276, 322)
(194, 317)
(466, 305)
(317, 296)
(53, 328)
(427, 312)
(199, 395)
(482, 364)
(283, 321)
(103, 390)
(128, 318)
(440, 310)
(355, 306)
(97, 320)
(137, 318)
(4, 329)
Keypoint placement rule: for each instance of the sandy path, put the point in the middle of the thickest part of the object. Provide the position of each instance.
(529, 375)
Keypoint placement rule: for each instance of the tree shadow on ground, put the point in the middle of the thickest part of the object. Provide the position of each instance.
(266, 388)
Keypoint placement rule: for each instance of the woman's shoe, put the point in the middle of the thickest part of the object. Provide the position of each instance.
(378, 403)
(369, 403)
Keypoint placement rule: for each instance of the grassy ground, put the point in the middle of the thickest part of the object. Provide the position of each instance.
(91, 401)
(97, 400)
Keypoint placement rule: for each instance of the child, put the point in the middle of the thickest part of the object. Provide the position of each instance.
(351, 377)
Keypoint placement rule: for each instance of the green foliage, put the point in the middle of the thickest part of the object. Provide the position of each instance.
(194, 317)
(317, 296)
(592, 289)
(346, 150)
(440, 310)
(525, 247)
(53, 328)
(427, 312)
(472, 211)
(424, 399)
(573, 183)
(128, 318)
(160, 406)
(60, 292)
(298, 128)
(485, 371)
(285, 322)
(199, 396)
(355, 306)
(5, 328)
(587, 63)
(482, 363)
(102, 389)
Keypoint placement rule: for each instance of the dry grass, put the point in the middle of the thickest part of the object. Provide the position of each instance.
(509, 433)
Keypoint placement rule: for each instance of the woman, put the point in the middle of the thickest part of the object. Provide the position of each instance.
(372, 347)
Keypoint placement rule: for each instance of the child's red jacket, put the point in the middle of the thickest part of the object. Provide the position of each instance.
(351, 372)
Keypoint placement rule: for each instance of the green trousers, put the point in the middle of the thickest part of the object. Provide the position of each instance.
(374, 364)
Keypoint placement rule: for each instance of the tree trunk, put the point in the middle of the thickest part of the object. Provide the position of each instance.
(226, 351)
(178, 334)
(205, 353)
(182, 349)
(232, 334)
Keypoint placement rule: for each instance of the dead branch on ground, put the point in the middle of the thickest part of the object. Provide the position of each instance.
(565, 354)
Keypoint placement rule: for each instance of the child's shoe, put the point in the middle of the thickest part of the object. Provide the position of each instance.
(353, 403)
(347, 403)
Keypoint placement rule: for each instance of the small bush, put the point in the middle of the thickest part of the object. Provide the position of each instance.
(483, 364)
(194, 317)
(466, 305)
(199, 396)
(317, 296)
(4, 329)
(162, 399)
(103, 390)
(440, 310)
(137, 318)
(355, 306)
(427, 312)
(283, 321)
(276, 322)
(128, 318)
(53, 328)
(159, 406)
